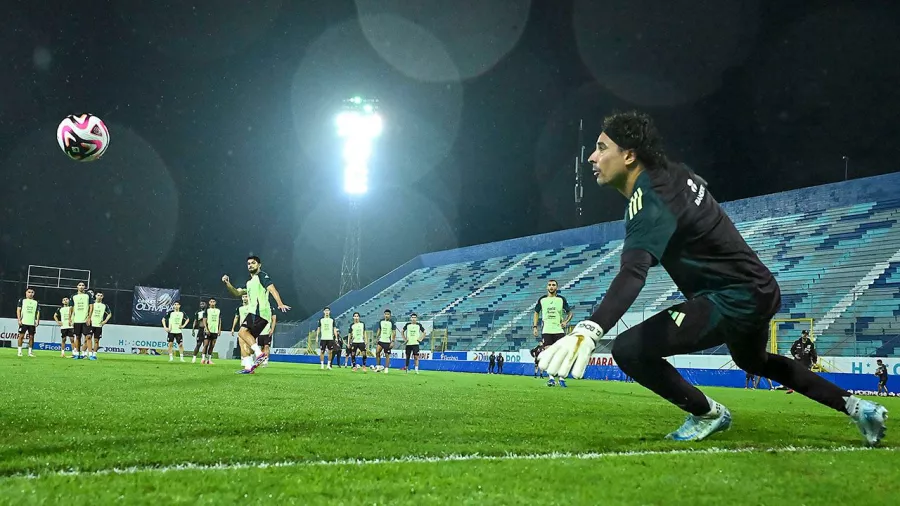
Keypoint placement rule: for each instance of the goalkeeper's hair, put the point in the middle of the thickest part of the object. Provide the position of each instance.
(636, 131)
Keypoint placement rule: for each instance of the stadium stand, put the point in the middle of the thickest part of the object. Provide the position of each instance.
(835, 250)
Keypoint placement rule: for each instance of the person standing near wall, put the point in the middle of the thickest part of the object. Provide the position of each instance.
(881, 372)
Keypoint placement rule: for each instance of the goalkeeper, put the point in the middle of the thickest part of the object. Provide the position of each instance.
(673, 220)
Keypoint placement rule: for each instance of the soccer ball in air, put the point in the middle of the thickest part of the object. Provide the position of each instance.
(84, 138)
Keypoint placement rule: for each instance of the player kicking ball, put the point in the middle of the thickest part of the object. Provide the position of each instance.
(259, 286)
(673, 220)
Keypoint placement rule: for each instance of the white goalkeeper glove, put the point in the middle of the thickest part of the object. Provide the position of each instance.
(572, 352)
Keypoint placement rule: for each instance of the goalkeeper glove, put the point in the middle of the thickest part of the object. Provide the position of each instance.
(572, 352)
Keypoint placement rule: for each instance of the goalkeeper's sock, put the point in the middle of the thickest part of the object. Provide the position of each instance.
(850, 403)
(715, 409)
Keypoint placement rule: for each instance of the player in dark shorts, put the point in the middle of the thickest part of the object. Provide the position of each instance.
(259, 287)
(882, 374)
(199, 333)
(28, 314)
(413, 334)
(672, 219)
(63, 318)
(326, 333)
(385, 336)
(99, 316)
(173, 323)
(356, 341)
(78, 313)
(212, 324)
(553, 311)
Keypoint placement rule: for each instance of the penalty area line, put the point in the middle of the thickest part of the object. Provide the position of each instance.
(424, 459)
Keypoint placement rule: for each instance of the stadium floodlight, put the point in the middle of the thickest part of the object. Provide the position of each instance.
(359, 127)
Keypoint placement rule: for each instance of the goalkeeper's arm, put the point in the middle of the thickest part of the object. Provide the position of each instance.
(571, 353)
(624, 289)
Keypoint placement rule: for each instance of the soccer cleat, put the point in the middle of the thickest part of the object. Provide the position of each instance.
(698, 428)
(93, 357)
(260, 359)
(209, 361)
(244, 371)
(870, 418)
(562, 383)
(171, 358)
(20, 353)
(329, 368)
(551, 382)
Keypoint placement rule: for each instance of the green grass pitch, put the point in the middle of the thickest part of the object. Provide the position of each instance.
(194, 434)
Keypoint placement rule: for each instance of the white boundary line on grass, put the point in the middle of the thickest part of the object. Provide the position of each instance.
(229, 466)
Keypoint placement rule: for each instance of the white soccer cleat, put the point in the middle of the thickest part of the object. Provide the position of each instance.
(698, 428)
(870, 418)
(171, 358)
(194, 360)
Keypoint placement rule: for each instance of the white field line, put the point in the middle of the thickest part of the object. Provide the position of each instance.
(414, 459)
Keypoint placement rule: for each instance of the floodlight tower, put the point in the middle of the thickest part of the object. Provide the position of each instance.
(359, 125)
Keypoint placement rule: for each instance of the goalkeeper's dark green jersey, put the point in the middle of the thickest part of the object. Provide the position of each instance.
(672, 216)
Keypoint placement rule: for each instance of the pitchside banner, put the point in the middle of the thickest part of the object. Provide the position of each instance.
(151, 304)
(116, 338)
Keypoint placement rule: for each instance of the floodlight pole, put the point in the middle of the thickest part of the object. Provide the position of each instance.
(352, 240)
(579, 185)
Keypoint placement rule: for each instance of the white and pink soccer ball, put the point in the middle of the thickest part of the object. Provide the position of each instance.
(83, 137)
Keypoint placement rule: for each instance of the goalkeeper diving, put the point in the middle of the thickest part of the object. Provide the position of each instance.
(672, 219)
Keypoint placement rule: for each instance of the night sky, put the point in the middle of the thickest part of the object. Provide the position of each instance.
(221, 116)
